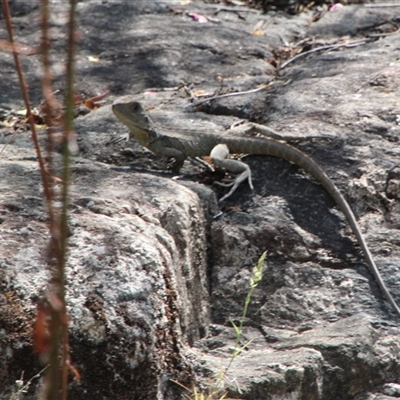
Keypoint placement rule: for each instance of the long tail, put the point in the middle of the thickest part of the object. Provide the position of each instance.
(291, 154)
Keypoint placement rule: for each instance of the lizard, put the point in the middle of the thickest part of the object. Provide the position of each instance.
(181, 145)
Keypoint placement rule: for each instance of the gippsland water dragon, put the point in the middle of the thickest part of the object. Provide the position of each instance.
(181, 145)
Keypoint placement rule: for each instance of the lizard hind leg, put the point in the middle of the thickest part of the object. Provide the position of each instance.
(219, 156)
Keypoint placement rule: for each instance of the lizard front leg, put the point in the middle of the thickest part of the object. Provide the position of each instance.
(219, 156)
(158, 148)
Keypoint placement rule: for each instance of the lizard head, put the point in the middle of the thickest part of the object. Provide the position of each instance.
(135, 118)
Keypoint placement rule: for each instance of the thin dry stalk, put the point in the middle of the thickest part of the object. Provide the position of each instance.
(46, 189)
(55, 297)
(68, 140)
(58, 326)
(57, 373)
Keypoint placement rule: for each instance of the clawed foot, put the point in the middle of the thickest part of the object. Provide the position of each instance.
(118, 139)
(175, 165)
(219, 156)
(236, 182)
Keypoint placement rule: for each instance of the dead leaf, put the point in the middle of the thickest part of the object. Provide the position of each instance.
(93, 102)
(94, 58)
(19, 48)
(199, 92)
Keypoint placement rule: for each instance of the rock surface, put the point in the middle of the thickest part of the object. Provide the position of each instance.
(153, 277)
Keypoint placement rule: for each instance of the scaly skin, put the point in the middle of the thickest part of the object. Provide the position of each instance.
(183, 145)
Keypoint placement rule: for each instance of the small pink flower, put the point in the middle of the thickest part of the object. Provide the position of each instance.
(336, 7)
(197, 17)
